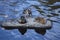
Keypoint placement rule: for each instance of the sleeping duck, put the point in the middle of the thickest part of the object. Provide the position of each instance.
(40, 20)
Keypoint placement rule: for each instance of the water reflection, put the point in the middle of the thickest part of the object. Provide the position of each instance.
(14, 8)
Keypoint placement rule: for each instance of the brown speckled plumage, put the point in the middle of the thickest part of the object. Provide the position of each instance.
(40, 20)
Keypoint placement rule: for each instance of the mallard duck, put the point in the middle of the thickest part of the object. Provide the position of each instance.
(27, 12)
(40, 20)
(22, 20)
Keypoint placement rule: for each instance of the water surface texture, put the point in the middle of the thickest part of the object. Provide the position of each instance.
(13, 9)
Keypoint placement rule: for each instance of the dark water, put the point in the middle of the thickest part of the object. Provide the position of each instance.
(14, 8)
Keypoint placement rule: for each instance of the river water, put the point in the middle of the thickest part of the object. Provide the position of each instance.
(14, 8)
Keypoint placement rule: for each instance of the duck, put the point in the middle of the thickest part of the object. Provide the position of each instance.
(27, 12)
(40, 20)
(22, 20)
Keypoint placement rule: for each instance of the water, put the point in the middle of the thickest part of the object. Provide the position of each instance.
(14, 8)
